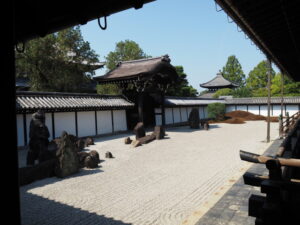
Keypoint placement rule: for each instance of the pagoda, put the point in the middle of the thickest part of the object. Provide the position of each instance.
(217, 83)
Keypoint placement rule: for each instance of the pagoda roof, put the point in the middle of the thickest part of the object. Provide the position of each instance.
(219, 82)
(143, 69)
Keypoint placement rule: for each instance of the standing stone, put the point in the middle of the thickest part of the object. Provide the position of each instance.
(206, 126)
(139, 130)
(89, 141)
(38, 142)
(194, 119)
(159, 132)
(68, 162)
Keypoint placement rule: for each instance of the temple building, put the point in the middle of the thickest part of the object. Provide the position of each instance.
(143, 81)
(216, 84)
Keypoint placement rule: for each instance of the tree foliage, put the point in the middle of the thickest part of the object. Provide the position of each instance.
(57, 62)
(258, 77)
(216, 111)
(223, 92)
(124, 51)
(181, 86)
(233, 71)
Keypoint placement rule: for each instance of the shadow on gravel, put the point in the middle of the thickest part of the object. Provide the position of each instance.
(189, 130)
(39, 210)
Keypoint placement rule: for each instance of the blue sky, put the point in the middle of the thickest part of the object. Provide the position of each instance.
(191, 32)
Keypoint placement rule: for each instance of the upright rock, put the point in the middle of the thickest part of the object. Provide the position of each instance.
(68, 162)
(38, 142)
(89, 141)
(139, 130)
(159, 132)
(194, 119)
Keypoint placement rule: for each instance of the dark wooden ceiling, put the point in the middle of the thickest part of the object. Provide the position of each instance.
(37, 18)
(274, 26)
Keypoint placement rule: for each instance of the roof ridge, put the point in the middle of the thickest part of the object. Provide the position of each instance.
(144, 59)
(61, 94)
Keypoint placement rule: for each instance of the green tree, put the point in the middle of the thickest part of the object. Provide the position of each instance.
(290, 88)
(223, 92)
(181, 86)
(216, 111)
(258, 77)
(242, 92)
(124, 51)
(233, 71)
(57, 62)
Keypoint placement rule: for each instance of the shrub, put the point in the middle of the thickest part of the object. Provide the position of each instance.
(216, 111)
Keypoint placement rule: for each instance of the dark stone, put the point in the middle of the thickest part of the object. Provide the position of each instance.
(38, 139)
(147, 139)
(68, 162)
(108, 155)
(89, 159)
(139, 130)
(80, 144)
(194, 119)
(159, 132)
(89, 141)
(40, 171)
(81, 158)
(127, 141)
(206, 126)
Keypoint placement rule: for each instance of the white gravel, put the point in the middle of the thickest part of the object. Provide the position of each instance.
(163, 182)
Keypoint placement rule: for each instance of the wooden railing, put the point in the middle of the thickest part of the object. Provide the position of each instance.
(280, 204)
(288, 124)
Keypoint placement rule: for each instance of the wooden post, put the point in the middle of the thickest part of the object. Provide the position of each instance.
(140, 106)
(163, 114)
(269, 98)
(282, 83)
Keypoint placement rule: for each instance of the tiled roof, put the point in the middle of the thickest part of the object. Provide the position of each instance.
(143, 67)
(263, 100)
(53, 101)
(190, 101)
(218, 81)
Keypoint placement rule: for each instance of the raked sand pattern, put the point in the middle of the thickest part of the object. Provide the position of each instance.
(166, 182)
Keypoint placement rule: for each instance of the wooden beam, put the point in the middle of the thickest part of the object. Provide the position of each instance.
(269, 97)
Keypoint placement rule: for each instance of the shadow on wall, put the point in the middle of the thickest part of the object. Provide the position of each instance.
(39, 210)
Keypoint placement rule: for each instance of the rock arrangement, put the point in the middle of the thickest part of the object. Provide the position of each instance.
(194, 119)
(60, 157)
(142, 138)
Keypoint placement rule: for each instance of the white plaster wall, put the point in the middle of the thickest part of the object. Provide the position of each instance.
(183, 114)
(104, 122)
(230, 108)
(205, 112)
(201, 112)
(48, 123)
(253, 109)
(292, 109)
(64, 121)
(86, 123)
(241, 107)
(189, 109)
(277, 110)
(120, 123)
(264, 110)
(176, 112)
(20, 130)
(158, 120)
(169, 116)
